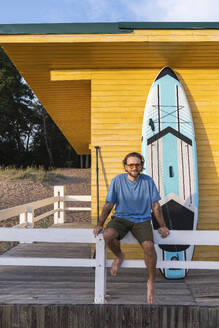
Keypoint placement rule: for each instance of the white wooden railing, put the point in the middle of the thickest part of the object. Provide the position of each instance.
(100, 262)
(26, 212)
(86, 236)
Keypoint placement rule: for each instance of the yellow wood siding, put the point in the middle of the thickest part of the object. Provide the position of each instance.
(122, 69)
(117, 107)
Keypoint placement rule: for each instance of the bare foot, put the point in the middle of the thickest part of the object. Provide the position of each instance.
(150, 292)
(116, 265)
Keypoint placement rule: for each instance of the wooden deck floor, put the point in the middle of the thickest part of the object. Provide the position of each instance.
(57, 285)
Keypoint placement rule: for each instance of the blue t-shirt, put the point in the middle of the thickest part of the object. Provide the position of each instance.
(133, 199)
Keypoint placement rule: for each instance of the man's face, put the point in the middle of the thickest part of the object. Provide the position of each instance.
(133, 166)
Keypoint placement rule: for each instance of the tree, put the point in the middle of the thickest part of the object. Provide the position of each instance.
(49, 146)
(18, 116)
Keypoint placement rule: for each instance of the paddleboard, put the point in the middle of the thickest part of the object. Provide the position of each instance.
(169, 149)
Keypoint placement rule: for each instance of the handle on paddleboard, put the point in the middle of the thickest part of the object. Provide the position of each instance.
(151, 123)
(171, 171)
(97, 183)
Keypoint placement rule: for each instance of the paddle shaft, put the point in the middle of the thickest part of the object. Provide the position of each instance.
(97, 181)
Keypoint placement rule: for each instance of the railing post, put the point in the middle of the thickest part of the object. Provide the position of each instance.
(30, 217)
(23, 218)
(100, 271)
(59, 217)
(27, 217)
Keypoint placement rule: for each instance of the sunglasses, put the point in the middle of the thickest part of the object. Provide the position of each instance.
(131, 166)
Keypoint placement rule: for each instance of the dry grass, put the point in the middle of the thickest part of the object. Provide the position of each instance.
(30, 173)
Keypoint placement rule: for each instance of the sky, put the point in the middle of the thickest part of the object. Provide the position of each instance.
(75, 11)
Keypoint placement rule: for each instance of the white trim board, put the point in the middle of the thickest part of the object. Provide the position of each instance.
(75, 235)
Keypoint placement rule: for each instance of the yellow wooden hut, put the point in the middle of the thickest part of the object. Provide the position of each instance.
(93, 79)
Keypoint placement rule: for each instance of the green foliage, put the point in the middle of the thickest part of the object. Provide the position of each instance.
(16, 112)
(62, 152)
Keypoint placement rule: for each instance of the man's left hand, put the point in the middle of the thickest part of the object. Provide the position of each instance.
(164, 232)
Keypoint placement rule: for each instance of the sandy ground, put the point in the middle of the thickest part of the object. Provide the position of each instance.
(77, 182)
(18, 192)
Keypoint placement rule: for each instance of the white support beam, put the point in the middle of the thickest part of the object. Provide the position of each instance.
(50, 235)
(100, 272)
(30, 217)
(76, 198)
(78, 209)
(100, 278)
(181, 237)
(23, 218)
(46, 262)
(208, 265)
(59, 206)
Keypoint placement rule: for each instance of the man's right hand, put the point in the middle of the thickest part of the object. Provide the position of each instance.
(97, 230)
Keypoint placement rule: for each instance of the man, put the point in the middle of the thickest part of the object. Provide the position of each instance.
(134, 195)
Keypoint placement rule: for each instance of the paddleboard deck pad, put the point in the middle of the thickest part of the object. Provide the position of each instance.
(169, 149)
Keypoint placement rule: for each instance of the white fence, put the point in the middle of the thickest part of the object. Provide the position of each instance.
(26, 213)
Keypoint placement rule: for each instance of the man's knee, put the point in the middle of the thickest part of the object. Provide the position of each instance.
(110, 234)
(148, 246)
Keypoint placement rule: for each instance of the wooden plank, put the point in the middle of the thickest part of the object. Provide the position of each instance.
(43, 202)
(44, 215)
(121, 315)
(14, 211)
(59, 75)
(64, 250)
(154, 34)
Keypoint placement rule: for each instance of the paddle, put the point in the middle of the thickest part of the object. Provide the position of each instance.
(97, 184)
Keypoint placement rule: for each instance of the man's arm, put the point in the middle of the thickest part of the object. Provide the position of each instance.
(158, 213)
(107, 208)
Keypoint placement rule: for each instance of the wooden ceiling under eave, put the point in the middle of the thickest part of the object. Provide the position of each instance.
(69, 102)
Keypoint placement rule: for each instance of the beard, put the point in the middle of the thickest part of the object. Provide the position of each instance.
(134, 175)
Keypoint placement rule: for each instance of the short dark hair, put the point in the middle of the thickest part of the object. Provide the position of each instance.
(134, 154)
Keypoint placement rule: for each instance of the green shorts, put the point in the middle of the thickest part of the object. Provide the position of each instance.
(142, 231)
